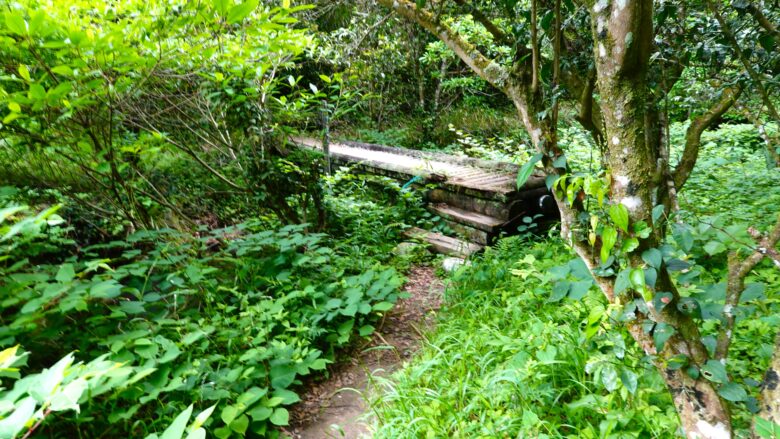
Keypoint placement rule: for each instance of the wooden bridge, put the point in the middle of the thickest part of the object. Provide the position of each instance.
(478, 199)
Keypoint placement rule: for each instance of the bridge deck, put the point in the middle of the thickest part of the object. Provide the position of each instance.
(477, 199)
(490, 177)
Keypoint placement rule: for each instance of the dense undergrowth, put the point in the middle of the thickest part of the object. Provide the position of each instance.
(525, 346)
(171, 266)
(505, 362)
(232, 317)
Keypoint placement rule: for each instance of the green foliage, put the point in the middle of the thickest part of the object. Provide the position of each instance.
(732, 167)
(109, 107)
(234, 318)
(507, 359)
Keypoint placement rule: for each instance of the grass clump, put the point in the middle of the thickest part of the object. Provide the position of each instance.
(507, 360)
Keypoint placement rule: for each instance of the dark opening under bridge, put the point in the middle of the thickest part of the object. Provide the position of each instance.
(478, 199)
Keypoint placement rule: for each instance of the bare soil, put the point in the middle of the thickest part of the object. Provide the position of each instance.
(337, 407)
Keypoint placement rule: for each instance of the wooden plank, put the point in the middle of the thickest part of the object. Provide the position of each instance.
(444, 244)
(482, 178)
(496, 209)
(471, 218)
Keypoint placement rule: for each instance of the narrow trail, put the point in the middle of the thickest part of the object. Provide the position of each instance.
(337, 408)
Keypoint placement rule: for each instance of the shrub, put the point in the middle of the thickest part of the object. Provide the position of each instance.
(232, 318)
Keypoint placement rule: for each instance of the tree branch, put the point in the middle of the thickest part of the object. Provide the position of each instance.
(534, 50)
(738, 270)
(762, 20)
(498, 35)
(757, 82)
(695, 130)
(589, 115)
(486, 68)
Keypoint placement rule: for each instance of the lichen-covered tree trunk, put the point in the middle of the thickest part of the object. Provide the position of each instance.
(623, 34)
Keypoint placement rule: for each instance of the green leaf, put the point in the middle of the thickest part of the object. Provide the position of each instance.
(623, 281)
(579, 289)
(282, 375)
(559, 291)
(24, 72)
(642, 230)
(251, 396)
(714, 247)
(609, 377)
(661, 299)
(16, 23)
(66, 273)
(240, 12)
(14, 107)
(108, 289)
(12, 424)
(366, 330)
(240, 425)
(715, 371)
(766, 429)
(629, 380)
(49, 379)
(67, 398)
(197, 433)
(288, 396)
(260, 413)
(383, 306)
(733, 392)
(37, 92)
(560, 162)
(280, 417)
(62, 70)
(229, 414)
(608, 240)
(658, 212)
(176, 429)
(221, 6)
(527, 169)
(202, 417)
(651, 276)
(683, 236)
(637, 277)
(629, 245)
(653, 257)
(619, 215)
(661, 334)
(222, 432)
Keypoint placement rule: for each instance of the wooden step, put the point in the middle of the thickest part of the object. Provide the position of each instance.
(469, 233)
(444, 244)
(496, 209)
(473, 219)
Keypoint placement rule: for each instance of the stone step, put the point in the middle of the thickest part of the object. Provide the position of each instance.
(444, 244)
(476, 220)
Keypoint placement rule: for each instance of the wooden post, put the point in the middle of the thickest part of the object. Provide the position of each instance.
(326, 137)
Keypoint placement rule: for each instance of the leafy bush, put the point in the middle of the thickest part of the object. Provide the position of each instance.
(508, 360)
(731, 176)
(232, 318)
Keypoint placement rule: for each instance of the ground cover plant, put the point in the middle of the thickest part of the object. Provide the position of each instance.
(172, 265)
(525, 346)
(232, 318)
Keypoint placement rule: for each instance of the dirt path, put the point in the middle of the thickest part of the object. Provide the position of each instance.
(336, 408)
